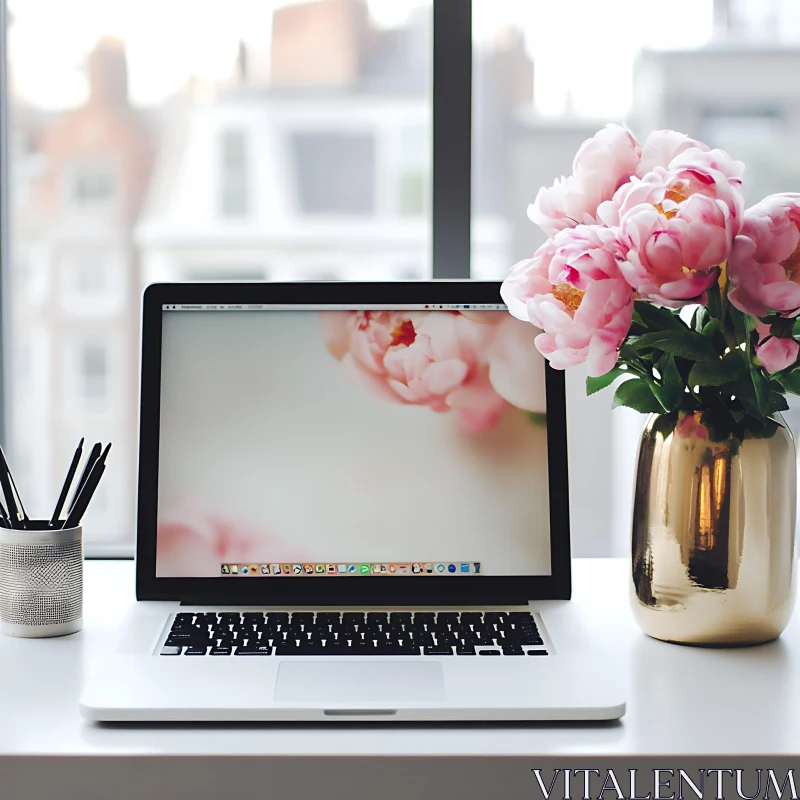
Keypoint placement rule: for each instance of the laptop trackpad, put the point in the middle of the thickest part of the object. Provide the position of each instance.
(359, 681)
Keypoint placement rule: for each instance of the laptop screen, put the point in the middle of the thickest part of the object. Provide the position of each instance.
(304, 442)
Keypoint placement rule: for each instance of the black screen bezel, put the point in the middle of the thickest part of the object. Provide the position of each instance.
(356, 590)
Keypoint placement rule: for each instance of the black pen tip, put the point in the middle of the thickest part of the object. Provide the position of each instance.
(80, 443)
(105, 452)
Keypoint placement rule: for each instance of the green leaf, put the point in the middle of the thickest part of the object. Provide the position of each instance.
(761, 390)
(712, 328)
(683, 343)
(657, 318)
(596, 384)
(796, 327)
(738, 323)
(669, 390)
(791, 381)
(717, 373)
(537, 418)
(714, 300)
(780, 326)
(745, 393)
(636, 394)
(761, 428)
(777, 402)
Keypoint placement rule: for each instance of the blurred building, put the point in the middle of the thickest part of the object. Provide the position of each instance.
(320, 170)
(78, 182)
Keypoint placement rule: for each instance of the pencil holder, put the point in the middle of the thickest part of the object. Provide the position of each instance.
(41, 581)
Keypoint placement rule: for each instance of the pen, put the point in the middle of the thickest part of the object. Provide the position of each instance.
(82, 501)
(67, 483)
(4, 520)
(94, 454)
(15, 517)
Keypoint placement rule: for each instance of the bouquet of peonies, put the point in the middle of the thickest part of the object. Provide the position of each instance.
(654, 271)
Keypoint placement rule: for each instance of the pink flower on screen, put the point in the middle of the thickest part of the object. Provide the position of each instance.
(475, 365)
(195, 544)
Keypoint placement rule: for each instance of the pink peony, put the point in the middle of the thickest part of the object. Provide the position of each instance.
(661, 147)
(764, 265)
(573, 290)
(678, 226)
(603, 163)
(775, 353)
(474, 364)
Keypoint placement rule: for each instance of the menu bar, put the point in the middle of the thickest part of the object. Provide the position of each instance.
(387, 569)
(329, 307)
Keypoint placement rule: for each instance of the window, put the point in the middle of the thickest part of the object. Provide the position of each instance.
(234, 195)
(336, 173)
(133, 161)
(91, 186)
(414, 131)
(533, 105)
(233, 273)
(91, 281)
(93, 375)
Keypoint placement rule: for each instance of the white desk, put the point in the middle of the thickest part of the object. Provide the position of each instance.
(681, 702)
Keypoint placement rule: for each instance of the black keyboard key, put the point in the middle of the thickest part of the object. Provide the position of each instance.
(537, 652)
(221, 651)
(169, 650)
(447, 617)
(173, 642)
(465, 650)
(493, 617)
(401, 617)
(438, 650)
(472, 617)
(425, 616)
(526, 640)
(194, 651)
(513, 650)
(489, 653)
(254, 650)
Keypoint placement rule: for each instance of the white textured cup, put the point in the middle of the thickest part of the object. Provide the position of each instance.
(41, 581)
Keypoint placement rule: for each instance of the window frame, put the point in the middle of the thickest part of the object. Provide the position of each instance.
(450, 180)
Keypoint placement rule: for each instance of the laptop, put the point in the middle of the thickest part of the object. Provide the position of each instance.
(352, 506)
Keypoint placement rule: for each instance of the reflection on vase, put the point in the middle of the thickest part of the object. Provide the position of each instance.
(713, 533)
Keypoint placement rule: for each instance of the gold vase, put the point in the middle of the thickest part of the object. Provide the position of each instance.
(713, 534)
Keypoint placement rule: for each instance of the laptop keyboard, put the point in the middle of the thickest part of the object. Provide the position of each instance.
(333, 633)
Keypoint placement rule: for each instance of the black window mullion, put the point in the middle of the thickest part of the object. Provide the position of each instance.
(452, 138)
